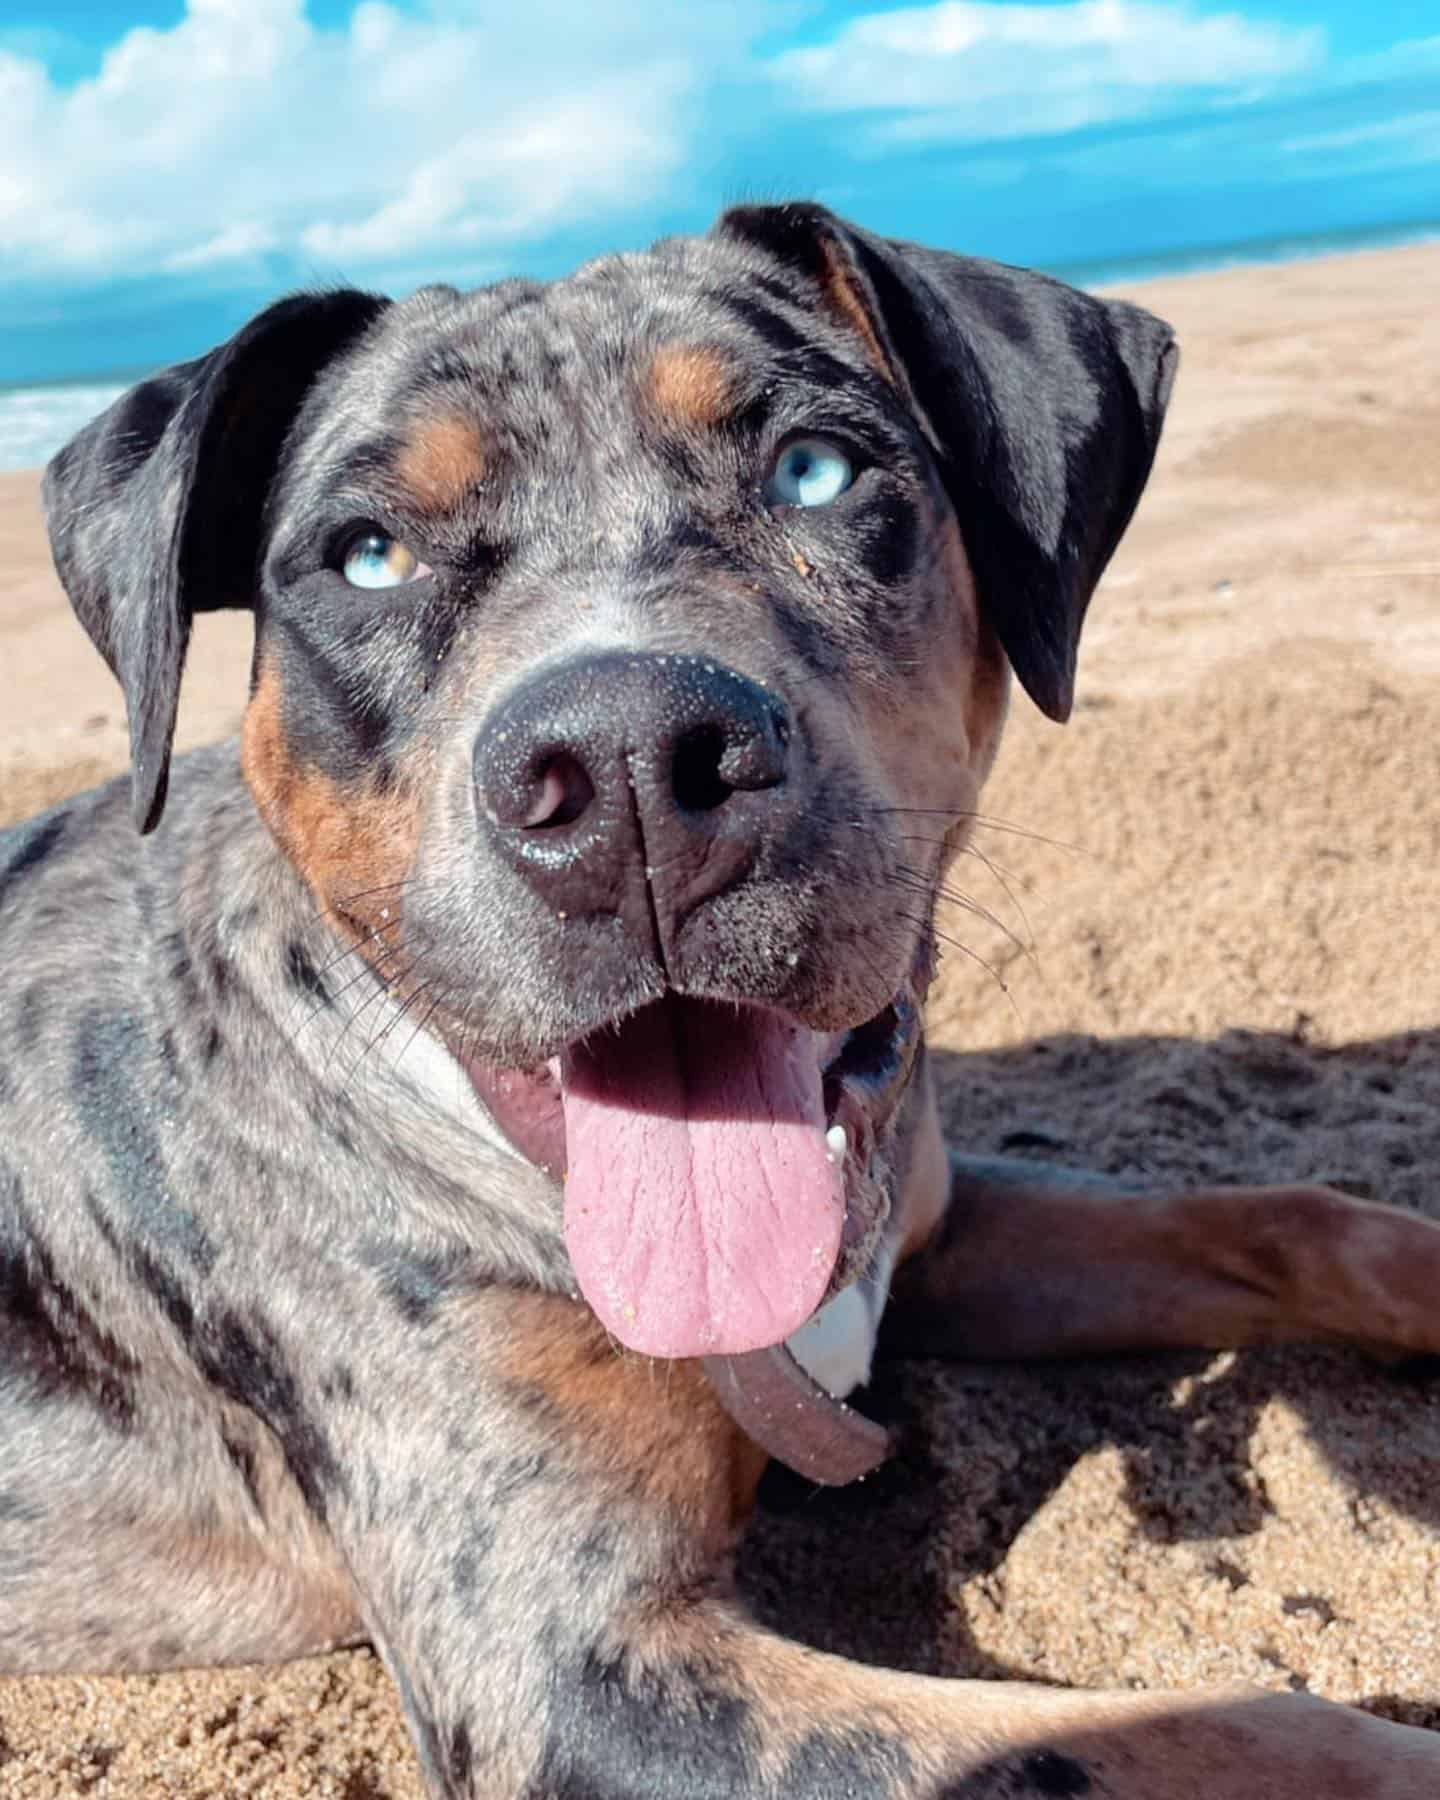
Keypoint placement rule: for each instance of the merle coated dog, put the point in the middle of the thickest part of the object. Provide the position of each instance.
(527, 996)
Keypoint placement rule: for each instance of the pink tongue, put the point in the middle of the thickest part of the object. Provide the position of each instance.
(702, 1214)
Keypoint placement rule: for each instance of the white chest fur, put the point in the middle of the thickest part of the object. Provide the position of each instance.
(837, 1345)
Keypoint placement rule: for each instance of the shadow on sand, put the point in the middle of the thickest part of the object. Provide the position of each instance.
(872, 1571)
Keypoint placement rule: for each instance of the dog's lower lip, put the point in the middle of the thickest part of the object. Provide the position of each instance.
(525, 1104)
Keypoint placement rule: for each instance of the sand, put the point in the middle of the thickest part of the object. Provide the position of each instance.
(1218, 903)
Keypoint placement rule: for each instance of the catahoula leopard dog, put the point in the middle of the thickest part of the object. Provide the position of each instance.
(486, 1117)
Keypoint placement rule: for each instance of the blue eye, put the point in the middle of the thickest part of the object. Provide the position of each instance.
(809, 472)
(373, 560)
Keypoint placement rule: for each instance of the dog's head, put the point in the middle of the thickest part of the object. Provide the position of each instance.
(629, 655)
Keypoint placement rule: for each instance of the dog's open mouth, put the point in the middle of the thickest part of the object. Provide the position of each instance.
(717, 1165)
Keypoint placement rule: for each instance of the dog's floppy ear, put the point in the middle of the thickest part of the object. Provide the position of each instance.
(1043, 403)
(154, 510)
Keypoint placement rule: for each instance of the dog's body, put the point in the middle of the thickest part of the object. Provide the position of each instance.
(630, 654)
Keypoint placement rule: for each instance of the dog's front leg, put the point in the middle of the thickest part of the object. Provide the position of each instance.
(540, 1529)
(1034, 1261)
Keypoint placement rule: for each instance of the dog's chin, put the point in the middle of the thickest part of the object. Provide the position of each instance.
(726, 1169)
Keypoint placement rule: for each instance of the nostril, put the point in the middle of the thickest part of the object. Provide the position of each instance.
(712, 761)
(758, 758)
(564, 794)
(695, 776)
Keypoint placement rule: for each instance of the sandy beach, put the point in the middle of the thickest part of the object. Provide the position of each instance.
(1199, 941)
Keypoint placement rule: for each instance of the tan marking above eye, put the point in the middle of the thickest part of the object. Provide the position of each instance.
(442, 460)
(691, 384)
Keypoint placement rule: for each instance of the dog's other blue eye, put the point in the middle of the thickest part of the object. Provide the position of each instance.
(809, 472)
(373, 560)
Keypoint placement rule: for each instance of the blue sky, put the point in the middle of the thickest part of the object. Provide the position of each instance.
(166, 167)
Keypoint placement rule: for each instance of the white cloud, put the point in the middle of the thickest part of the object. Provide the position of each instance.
(236, 243)
(980, 69)
(514, 178)
(244, 131)
(1412, 138)
(1411, 59)
(433, 138)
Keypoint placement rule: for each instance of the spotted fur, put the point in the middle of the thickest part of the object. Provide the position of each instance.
(290, 1350)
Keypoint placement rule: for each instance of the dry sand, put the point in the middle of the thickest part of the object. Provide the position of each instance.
(1226, 933)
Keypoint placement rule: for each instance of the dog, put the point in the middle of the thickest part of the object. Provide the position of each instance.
(483, 1119)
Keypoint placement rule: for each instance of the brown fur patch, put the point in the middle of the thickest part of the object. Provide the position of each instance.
(649, 1425)
(937, 746)
(442, 460)
(690, 384)
(925, 1193)
(845, 299)
(353, 845)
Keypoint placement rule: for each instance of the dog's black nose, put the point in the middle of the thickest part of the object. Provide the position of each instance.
(634, 784)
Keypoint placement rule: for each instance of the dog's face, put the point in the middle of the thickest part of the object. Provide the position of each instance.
(615, 638)
(629, 655)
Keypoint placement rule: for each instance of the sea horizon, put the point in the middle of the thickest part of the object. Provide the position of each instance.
(37, 416)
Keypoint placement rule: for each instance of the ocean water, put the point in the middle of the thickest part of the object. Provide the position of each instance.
(1205, 259)
(36, 420)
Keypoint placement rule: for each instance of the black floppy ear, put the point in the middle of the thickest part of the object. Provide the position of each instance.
(1044, 404)
(154, 510)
